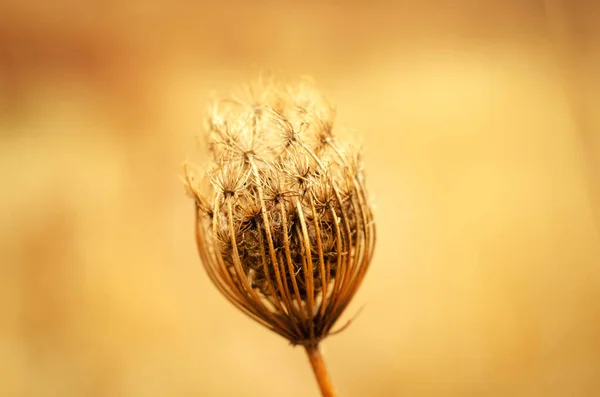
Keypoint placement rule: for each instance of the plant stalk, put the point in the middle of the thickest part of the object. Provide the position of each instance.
(320, 370)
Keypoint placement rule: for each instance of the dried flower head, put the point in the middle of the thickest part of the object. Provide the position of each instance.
(284, 226)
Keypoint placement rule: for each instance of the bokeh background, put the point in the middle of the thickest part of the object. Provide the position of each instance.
(481, 127)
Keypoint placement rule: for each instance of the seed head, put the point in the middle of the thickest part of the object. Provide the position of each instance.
(284, 225)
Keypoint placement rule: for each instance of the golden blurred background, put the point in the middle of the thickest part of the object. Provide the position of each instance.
(482, 152)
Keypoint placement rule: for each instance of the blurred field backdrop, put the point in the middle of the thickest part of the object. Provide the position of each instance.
(481, 125)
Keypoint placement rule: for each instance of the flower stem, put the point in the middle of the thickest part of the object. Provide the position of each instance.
(318, 366)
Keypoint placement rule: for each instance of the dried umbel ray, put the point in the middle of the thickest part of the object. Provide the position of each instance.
(284, 226)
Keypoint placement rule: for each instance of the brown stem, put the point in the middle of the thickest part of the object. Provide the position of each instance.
(318, 366)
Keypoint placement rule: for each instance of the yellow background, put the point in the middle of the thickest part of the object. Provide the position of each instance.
(481, 130)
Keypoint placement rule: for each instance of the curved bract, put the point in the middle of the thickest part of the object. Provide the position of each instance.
(283, 222)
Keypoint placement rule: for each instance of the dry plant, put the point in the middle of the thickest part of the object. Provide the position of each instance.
(284, 226)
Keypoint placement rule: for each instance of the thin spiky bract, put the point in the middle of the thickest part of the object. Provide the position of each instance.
(284, 226)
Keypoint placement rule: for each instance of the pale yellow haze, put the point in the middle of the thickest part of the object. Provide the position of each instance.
(481, 131)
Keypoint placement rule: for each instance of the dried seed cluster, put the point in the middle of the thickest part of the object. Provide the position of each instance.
(283, 222)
